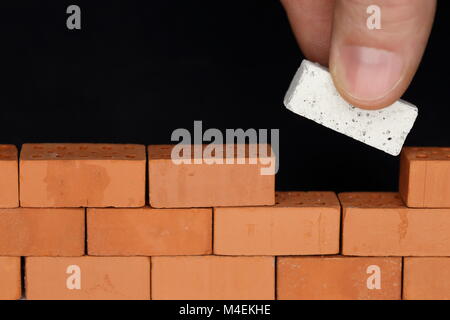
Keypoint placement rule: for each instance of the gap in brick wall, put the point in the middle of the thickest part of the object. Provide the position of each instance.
(403, 277)
(85, 232)
(276, 278)
(23, 277)
(341, 225)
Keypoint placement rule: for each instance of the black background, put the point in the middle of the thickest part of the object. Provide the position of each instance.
(140, 69)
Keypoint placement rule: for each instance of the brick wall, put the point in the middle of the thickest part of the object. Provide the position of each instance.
(101, 221)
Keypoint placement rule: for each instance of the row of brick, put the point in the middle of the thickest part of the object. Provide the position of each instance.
(113, 175)
(233, 278)
(109, 175)
(300, 223)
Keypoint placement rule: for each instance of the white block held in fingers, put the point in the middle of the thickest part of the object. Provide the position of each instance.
(313, 95)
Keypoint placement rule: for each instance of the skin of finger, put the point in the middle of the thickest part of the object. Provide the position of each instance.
(311, 22)
(405, 29)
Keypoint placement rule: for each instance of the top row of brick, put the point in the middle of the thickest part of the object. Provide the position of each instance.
(114, 175)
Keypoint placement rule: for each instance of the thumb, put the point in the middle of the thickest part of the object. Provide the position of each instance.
(372, 67)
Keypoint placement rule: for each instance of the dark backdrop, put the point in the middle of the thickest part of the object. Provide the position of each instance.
(140, 69)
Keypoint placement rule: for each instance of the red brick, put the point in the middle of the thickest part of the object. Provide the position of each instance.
(88, 278)
(379, 224)
(208, 185)
(9, 173)
(426, 279)
(41, 232)
(425, 177)
(213, 278)
(10, 278)
(82, 175)
(149, 232)
(300, 223)
(338, 278)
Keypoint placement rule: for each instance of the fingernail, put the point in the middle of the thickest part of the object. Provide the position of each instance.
(368, 74)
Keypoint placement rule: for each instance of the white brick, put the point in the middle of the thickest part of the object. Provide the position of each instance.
(313, 95)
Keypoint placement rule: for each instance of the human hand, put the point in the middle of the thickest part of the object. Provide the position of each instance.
(371, 68)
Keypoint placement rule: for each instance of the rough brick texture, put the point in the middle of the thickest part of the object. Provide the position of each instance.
(379, 224)
(9, 177)
(42, 232)
(82, 175)
(426, 279)
(207, 185)
(300, 223)
(213, 278)
(313, 95)
(425, 177)
(338, 278)
(10, 278)
(149, 232)
(214, 231)
(88, 278)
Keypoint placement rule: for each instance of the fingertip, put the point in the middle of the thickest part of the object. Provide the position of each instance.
(369, 78)
(373, 67)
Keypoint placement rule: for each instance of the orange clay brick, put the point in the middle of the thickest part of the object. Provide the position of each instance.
(339, 278)
(379, 224)
(88, 278)
(149, 232)
(426, 279)
(82, 175)
(209, 185)
(213, 278)
(9, 177)
(300, 223)
(42, 232)
(10, 278)
(425, 177)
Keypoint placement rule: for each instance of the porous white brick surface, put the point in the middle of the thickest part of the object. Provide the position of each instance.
(313, 95)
